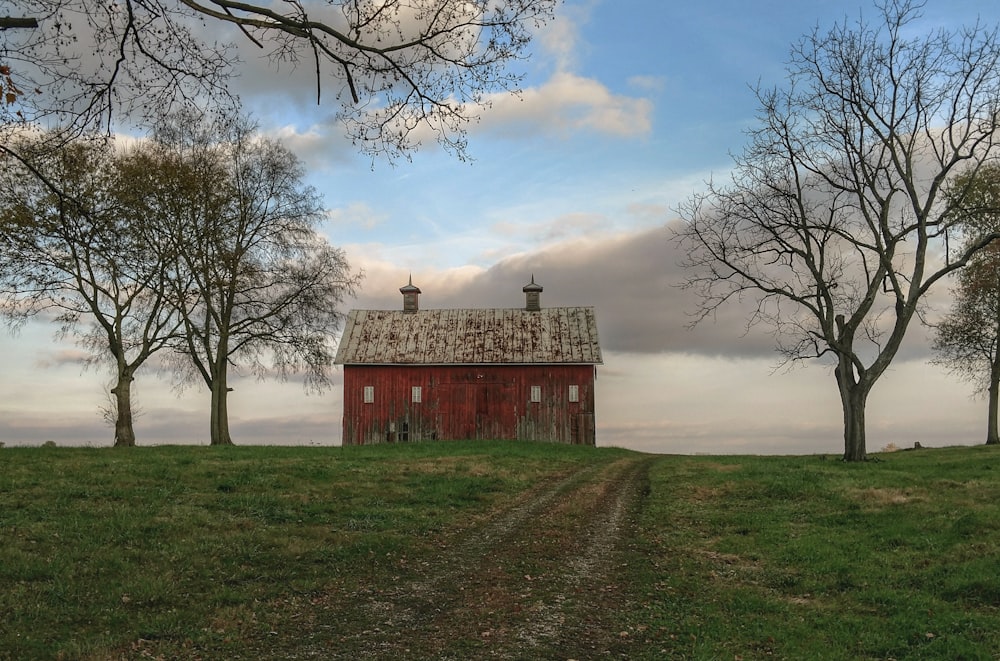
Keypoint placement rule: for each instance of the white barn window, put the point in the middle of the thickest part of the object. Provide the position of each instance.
(574, 393)
(536, 394)
(416, 394)
(369, 394)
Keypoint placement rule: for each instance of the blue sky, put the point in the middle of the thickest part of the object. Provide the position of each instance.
(628, 107)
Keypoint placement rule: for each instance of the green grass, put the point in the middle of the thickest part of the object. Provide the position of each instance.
(107, 548)
(108, 553)
(747, 557)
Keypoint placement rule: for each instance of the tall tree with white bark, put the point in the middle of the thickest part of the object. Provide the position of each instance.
(834, 223)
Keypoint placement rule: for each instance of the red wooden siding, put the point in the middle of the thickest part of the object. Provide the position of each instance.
(460, 402)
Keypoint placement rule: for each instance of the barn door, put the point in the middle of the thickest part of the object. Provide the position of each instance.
(483, 411)
(459, 421)
(583, 429)
(496, 417)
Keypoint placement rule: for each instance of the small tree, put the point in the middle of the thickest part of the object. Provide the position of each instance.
(255, 284)
(835, 214)
(968, 339)
(79, 255)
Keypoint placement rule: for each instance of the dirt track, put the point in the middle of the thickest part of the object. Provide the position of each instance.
(537, 580)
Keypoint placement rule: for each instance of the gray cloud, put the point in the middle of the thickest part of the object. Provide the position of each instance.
(631, 279)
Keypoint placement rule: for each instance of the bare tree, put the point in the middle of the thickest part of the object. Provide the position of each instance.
(256, 285)
(81, 256)
(834, 223)
(395, 65)
(968, 339)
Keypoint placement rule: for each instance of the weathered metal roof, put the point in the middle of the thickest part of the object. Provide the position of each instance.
(462, 337)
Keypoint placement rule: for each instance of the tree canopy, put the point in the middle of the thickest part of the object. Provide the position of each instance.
(256, 285)
(79, 255)
(203, 241)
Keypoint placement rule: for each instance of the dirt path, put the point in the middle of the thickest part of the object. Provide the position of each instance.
(537, 580)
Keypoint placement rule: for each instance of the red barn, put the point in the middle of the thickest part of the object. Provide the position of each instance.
(451, 374)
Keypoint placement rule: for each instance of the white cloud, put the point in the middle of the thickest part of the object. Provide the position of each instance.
(357, 214)
(565, 104)
(560, 38)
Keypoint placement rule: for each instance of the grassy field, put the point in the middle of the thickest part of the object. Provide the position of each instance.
(246, 552)
(810, 558)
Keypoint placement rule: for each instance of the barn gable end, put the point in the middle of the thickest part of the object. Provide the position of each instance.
(453, 374)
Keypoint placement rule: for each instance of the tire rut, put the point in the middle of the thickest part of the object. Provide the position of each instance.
(537, 577)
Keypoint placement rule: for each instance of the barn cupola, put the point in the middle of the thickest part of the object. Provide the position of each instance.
(532, 295)
(410, 295)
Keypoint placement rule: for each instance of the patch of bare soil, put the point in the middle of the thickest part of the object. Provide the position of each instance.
(541, 579)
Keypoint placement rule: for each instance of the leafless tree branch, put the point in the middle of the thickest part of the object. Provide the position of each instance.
(833, 224)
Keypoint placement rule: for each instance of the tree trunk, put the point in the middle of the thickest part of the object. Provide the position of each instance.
(124, 431)
(220, 410)
(853, 398)
(992, 437)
